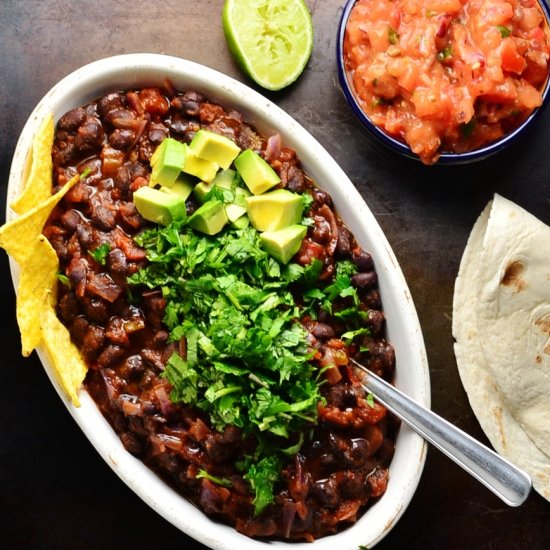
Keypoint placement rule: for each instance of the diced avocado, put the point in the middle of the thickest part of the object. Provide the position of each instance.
(274, 210)
(215, 148)
(256, 172)
(240, 196)
(210, 218)
(241, 223)
(283, 244)
(182, 187)
(196, 166)
(159, 207)
(201, 190)
(234, 211)
(167, 164)
(225, 178)
(159, 151)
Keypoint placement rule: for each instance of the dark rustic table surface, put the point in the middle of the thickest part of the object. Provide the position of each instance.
(55, 491)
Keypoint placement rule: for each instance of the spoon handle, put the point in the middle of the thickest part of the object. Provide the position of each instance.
(509, 483)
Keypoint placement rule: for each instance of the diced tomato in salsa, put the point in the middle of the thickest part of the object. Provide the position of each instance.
(447, 75)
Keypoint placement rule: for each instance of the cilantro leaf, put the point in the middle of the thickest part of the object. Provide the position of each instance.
(100, 253)
(263, 476)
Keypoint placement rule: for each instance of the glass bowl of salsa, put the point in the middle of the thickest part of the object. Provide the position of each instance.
(445, 81)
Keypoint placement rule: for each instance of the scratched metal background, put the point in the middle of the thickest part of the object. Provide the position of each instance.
(55, 491)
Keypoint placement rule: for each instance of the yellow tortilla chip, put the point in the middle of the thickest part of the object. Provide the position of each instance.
(38, 186)
(36, 292)
(68, 365)
(37, 284)
(17, 236)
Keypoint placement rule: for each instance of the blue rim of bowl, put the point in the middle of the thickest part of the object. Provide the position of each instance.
(399, 146)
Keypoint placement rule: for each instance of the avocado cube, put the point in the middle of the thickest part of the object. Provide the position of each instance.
(158, 206)
(215, 148)
(241, 223)
(274, 210)
(196, 166)
(225, 178)
(167, 163)
(234, 211)
(240, 196)
(182, 187)
(283, 244)
(159, 151)
(210, 218)
(256, 172)
(201, 190)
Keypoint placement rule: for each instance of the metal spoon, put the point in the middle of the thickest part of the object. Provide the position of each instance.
(507, 481)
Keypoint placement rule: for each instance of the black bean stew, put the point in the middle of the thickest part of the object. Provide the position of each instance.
(342, 467)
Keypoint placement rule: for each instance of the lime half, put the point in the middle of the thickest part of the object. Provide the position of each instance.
(270, 39)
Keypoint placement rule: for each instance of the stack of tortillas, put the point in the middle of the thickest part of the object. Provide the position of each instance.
(501, 323)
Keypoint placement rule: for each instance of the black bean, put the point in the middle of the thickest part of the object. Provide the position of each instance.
(102, 216)
(79, 327)
(321, 197)
(122, 139)
(157, 133)
(326, 491)
(109, 103)
(89, 136)
(72, 120)
(363, 260)
(69, 307)
(92, 342)
(343, 245)
(295, 179)
(352, 485)
(322, 331)
(375, 320)
(372, 299)
(189, 103)
(110, 355)
(59, 243)
(131, 443)
(70, 220)
(321, 230)
(95, 309)
(132, 367)
(116, 261)
(123, 118)
(160, 338)
(364, 280)
(62, 152)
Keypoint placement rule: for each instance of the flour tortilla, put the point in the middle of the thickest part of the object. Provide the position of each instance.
(485, 345)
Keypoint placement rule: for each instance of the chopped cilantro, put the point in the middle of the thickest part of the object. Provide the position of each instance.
(393, 37)
(263, 476)
(505, 32)
(445, 54)
(370, 400)
(248, 361)
(217, 480)
(63, 279)
(100, 253)
(307, 201)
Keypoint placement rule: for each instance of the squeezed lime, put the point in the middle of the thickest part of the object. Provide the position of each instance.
(271, 40)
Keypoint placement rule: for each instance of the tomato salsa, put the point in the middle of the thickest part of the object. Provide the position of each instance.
(447, 75)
